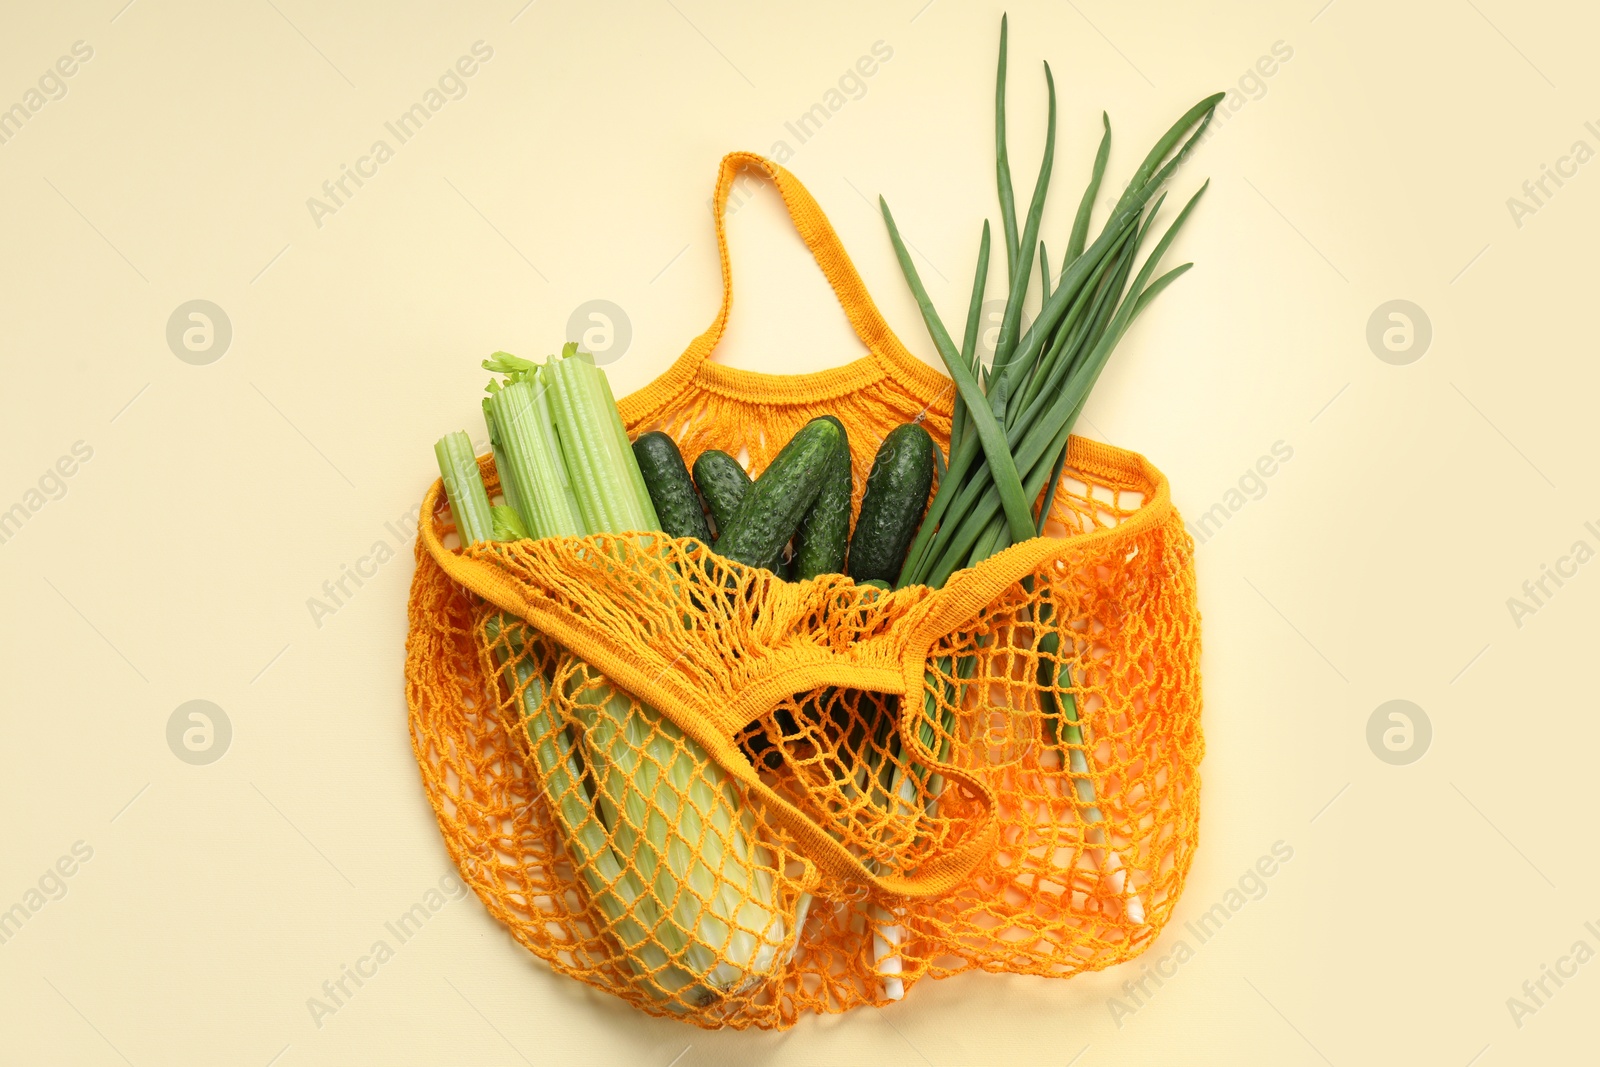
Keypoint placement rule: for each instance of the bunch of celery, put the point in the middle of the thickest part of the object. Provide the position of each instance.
(668, 853)
(1011, 424)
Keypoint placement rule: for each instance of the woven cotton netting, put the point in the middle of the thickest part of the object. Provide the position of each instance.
(1000, 775)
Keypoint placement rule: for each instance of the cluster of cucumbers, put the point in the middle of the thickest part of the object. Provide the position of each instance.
(794, 520)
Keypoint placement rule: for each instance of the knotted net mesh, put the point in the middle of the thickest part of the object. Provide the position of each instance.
(735, 800)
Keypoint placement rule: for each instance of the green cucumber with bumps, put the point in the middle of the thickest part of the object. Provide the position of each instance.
(667, 480)
(771, 510)
(824, 533)
(722, 482)
(892, 505)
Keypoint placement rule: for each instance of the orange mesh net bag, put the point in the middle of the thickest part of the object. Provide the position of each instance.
(734, 800)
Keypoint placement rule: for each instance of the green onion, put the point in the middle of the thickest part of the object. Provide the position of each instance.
(959, 422)
(1080, 221)
(990, 435)
(1002, 159)
(1010, 430)
(1030, 236)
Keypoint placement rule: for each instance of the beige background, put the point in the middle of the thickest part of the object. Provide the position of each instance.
(1374, 164)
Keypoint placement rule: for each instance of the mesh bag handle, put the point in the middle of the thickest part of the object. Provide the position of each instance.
(886, 357)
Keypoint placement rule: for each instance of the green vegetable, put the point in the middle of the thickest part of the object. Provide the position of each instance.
(819, 540)
(638, 757)
(978, 405)
(667, 479)
(469, 504)
(961, 422)
(722, 482)
(619, 893)
(819, 543)
(616, 890)
(772, 508)
(1071, 360)
(893, 503)
(672, 810)
(534, 463)
(1002, 157)
(604, 475)
(507, 523)
(664, 846)
(1012, 422)
(502, 462)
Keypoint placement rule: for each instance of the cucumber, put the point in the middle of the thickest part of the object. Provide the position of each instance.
(722, 482)
(819, 543)
(667, 480)
(775, 503)
(892, 506)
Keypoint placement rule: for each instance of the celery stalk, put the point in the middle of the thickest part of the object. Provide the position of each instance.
(668, 806)
(673, 811)
(615, 888)
(535, 462)
(605, 477)
(624, 447)
(502, 464)
(680, 855)
(469, 503)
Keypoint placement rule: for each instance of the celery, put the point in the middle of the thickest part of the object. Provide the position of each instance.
(673, 811)
(667, 804)
(616, 889)
(613, 417)
(507, 523)
(502, 462)
(535, 465)
(665, 845)
(605, 476)
(469, 504)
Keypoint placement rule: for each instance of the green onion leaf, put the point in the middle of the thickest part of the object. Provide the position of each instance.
(1002, 160)
(1018, 511)
(1080, 223)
